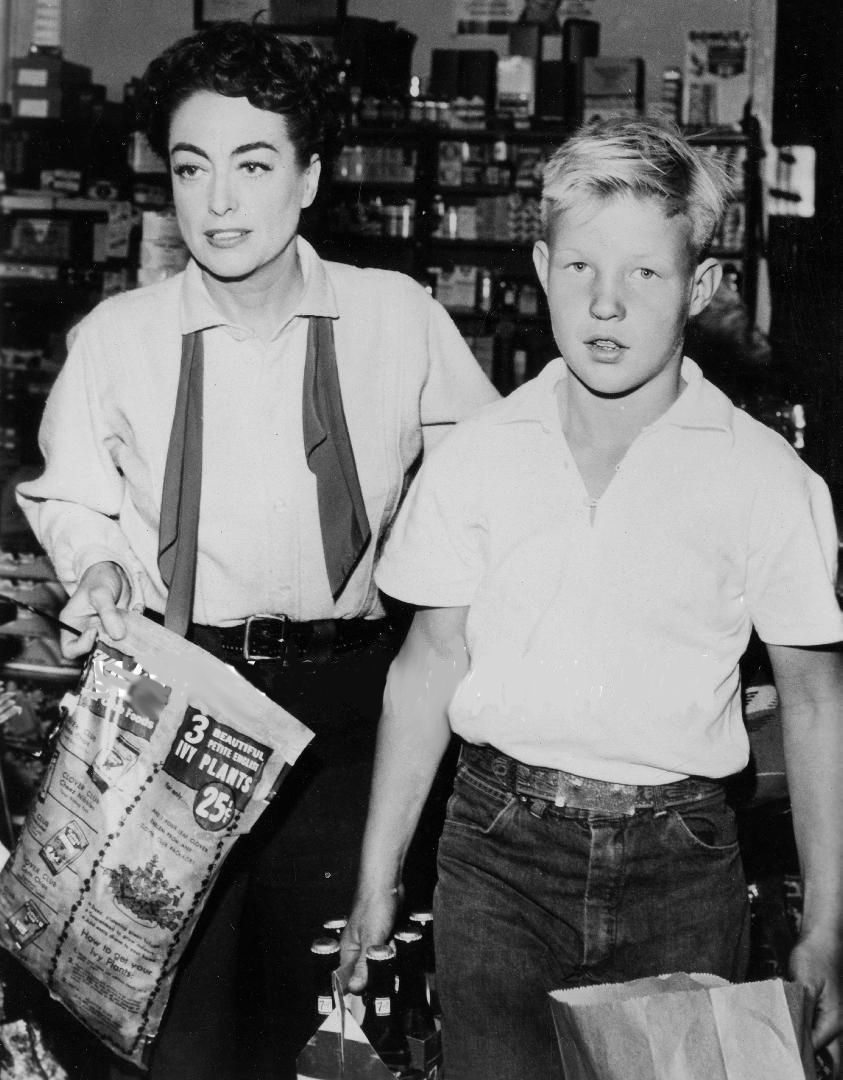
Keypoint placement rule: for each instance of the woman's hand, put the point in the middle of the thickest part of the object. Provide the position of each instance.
(99, 602)
(9, 706)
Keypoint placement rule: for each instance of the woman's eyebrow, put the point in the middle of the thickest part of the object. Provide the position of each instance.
(246, 148)
(190, 148)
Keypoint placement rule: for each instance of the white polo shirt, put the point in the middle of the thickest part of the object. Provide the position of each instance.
(605, 639)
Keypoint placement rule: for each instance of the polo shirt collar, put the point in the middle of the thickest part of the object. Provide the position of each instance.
(198, 311)
(700, 405)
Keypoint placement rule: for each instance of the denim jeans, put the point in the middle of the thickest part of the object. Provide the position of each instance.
(534, 897)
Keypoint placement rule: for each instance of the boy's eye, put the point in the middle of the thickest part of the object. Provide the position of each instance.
(578, 267)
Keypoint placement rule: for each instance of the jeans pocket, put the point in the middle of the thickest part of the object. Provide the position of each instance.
(708, 825)
(476, 806)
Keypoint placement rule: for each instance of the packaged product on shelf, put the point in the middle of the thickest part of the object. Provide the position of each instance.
(44, 238)
(120, 222)
(529, 166)
(612, 85)
(493, 217)
(467, 221)
(67, 181)
(517, 88)
(162, 250)
(485, 290)
(717, 77)
(730, 233)
(165, 756)
(449, 172)
(528, 299)
(142, 158)
(456, 289)
(671, 98)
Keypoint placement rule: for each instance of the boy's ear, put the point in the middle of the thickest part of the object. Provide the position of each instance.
(541, 258)
(707, 278)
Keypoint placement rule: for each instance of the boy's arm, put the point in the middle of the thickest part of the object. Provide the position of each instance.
(413, 735)
(810, 687)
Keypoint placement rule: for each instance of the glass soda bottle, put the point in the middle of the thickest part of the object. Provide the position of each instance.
(423, 921)
(325, 954)
(414, 1011)
(380, 1022)
(335, 927)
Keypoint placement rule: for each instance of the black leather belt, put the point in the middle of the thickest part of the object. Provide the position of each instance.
(276, 638)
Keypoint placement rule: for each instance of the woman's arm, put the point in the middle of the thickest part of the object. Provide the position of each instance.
(74, 506)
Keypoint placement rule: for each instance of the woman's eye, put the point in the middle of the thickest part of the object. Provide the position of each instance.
(647, 273)
(185, 171)
(255, 168)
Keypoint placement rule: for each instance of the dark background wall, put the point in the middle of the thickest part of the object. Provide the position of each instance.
(806, 254)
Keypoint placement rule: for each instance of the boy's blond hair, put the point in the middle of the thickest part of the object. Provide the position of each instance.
(645, 158)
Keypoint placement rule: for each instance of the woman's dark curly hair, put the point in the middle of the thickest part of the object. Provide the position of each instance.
(239, 59)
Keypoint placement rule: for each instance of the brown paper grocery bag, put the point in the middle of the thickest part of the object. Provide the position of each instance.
(684, 1027)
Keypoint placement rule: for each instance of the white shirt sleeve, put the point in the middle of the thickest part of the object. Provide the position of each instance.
(792, 558)
(436, 553)
(74, 506)
(456, 385)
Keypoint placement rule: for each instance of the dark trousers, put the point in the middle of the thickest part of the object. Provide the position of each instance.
(533, 898)
(242, 1004)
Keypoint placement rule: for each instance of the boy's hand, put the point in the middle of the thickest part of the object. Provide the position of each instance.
(370, 923)
(102, 592)
(817, 965)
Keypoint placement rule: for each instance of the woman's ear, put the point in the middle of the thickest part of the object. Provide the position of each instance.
(311, 180)
(707, 278)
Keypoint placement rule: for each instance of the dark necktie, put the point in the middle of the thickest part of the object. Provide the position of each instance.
(330, 457)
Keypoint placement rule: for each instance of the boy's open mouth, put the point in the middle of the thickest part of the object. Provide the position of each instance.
(605, 344)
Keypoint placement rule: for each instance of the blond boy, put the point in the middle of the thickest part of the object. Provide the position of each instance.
(588, 558)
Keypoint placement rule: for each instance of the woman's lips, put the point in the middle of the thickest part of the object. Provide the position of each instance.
(225, 238)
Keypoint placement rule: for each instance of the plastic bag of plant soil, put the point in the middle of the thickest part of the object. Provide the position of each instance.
(165, 756)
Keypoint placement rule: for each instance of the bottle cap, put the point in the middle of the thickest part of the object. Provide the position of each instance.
(421, 916)
(409, 934)
(380, 952)
(335, 925)
(325, 946)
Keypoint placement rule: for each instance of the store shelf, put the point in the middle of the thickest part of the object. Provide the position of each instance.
(401, 187)
(458, 243)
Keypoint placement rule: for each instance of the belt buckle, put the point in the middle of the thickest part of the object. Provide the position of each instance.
(251, 655)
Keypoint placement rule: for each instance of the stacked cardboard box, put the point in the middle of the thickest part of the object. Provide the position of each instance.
(46, 86)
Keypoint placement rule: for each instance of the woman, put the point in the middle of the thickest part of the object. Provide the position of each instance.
(295, 395)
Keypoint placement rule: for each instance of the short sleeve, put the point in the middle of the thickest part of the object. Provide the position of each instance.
(436, 553)
(455, 386)
(792, 558)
